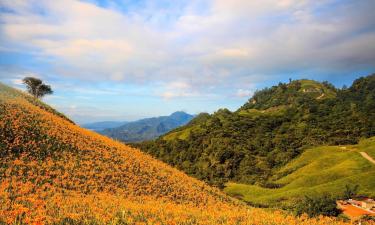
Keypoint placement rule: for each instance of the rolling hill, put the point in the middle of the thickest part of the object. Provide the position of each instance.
(320, 170)
(274, 127)
(147, 129)
(55, 172)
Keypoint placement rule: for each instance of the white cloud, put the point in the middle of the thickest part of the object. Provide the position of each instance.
(208, 50)
(178, 89)
(244, 93)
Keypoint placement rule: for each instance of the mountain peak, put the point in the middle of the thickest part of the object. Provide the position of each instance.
(179, 113)
(148, 128)
(291, 93)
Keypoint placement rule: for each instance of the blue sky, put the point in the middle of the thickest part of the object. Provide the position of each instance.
(125, 60)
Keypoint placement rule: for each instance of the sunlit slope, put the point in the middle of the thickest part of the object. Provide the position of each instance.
(50, 152)
(52, 171)
(368, 146)
(317, 171)
(10, 93)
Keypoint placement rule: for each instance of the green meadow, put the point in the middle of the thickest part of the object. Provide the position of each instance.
(320, 170)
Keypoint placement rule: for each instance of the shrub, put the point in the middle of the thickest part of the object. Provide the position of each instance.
(315, 206)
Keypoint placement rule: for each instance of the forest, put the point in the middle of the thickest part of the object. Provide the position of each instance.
(268, 131)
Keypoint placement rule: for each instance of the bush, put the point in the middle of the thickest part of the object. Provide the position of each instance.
(350, 191)
(315, 206)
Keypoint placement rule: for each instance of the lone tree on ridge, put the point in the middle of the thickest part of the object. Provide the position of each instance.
(36, 87)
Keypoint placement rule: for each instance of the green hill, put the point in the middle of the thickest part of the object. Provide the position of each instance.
(271, 129)
(326, 169)
(290, 94)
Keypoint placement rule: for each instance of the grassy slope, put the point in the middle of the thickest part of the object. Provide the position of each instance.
(368, 146)
(316, 171)
(52, 171)
(323, 91)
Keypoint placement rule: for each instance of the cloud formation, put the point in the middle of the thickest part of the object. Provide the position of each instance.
(191, 48)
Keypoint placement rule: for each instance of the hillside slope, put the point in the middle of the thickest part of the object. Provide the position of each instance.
(267, 132)
(9, 93)
(52, 171)
(317, 171)
(147, 129)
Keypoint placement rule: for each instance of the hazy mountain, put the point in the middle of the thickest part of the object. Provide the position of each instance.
(147, 129)
(99, 126)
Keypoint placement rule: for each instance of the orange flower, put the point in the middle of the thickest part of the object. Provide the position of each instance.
(54, 170)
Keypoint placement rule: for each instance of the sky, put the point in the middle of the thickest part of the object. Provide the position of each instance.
(130, 59)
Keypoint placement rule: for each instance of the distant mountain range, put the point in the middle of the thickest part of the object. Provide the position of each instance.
(141, 130)
(99, 126)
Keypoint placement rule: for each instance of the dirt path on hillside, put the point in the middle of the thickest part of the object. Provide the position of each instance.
(366, 156)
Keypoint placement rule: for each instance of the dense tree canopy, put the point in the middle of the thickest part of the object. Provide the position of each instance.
(272, 128)
(313, 207)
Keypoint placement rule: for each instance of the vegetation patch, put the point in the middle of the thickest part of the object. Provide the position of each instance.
(274, 127)
(327, 169)
(54, 172)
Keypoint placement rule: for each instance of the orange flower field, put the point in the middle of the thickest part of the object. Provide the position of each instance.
(54, 172)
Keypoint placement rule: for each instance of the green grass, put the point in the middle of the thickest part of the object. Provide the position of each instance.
(311, 85)
(319, 170)
(182, 134)
(255, 113)
(368, 146)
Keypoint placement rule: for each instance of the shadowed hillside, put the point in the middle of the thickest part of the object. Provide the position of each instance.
(52, 171)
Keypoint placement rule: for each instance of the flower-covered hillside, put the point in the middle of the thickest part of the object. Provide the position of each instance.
(52, 171)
